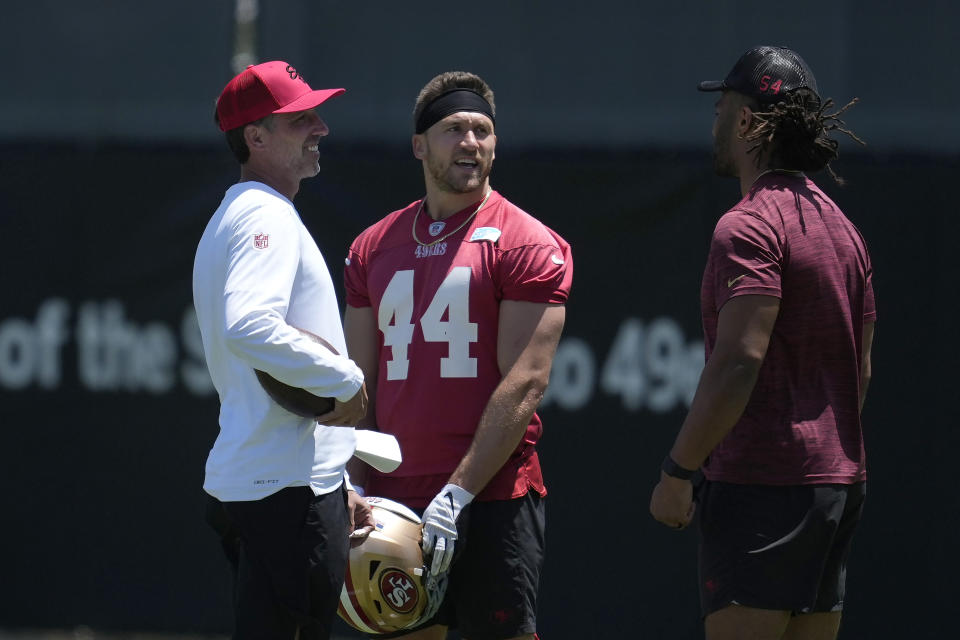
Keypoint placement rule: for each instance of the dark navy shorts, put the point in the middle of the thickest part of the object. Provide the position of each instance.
(782, 548)
(291, 561)
(495, 574)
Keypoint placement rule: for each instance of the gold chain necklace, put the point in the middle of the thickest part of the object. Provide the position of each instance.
(444, 237)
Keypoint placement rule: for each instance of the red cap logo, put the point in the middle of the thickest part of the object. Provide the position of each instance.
(262, 89)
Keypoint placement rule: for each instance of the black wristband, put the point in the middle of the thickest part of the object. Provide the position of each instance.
(674, 470)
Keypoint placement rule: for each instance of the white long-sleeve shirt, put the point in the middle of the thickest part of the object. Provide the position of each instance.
(257, 275)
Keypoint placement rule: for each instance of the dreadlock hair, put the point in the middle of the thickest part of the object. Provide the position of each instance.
(796, 131)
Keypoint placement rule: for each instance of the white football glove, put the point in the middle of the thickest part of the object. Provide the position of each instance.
(440, 525)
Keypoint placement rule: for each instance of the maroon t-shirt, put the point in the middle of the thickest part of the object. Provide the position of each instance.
(787, 239)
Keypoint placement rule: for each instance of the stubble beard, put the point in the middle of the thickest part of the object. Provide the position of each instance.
(723, 164)
(303, 167)
(723, 167)
(312, 167)
(445, 176)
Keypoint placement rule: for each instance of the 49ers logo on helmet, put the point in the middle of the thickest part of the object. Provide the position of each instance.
(398, 590)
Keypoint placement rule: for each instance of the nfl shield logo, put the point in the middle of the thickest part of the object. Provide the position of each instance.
(437, 227)
(260, 240)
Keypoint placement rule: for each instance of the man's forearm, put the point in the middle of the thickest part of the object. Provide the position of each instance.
(864, 385)
(360, 334)
(866, 366)
(527, 339)
(502, 425)
(722, 395)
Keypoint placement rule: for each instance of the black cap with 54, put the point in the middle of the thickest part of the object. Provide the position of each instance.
(765, 73)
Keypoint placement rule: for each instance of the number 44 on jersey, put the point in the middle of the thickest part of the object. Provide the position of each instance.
(395, 320)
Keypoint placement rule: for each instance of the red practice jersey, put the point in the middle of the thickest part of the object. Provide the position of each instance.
(437, 305)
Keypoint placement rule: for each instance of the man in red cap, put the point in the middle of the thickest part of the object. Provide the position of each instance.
(282, 497)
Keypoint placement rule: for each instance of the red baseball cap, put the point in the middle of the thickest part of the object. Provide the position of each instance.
(262, 89)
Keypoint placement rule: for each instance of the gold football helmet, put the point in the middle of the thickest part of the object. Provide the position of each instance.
(388, 588)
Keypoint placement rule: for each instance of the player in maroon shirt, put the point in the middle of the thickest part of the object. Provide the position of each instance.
(788, 316)
(455, 305)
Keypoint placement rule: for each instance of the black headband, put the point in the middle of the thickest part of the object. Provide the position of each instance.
(451, 102)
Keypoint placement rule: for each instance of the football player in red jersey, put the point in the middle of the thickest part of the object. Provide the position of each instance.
(455, 305)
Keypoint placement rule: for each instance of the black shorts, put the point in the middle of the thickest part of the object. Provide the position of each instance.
(782, 548)
(293, 550)
(495, 574)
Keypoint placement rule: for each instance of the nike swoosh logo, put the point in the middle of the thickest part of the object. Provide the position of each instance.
(785, 539)
(733, 281)
(556, 260)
